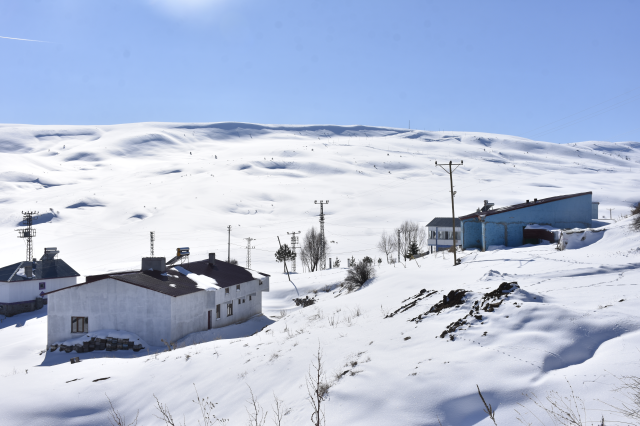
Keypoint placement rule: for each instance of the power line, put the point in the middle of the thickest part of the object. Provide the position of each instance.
(229, 245)
(294, 241)
(453, 210)
(249, 247)
(323, 242)
(28, 233)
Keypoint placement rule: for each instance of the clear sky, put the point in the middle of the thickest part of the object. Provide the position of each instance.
(514, 67)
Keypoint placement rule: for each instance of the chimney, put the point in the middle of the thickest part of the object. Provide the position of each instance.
(28, 269)
(158, 264)
(212, 259)
(527, 201)
(535, 200)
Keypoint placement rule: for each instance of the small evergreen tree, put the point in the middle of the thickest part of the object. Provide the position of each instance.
(413, 249)
(336, 263)
(379, 261)
(368, 260)
(283, 254)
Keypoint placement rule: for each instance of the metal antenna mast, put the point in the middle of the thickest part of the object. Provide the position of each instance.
(323, 259)
(249, 247)
(229, 245)
(294, 241)
(28, 233)
(453, 211)
(153, 240)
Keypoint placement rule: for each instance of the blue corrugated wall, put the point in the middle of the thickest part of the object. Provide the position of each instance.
(506, 228)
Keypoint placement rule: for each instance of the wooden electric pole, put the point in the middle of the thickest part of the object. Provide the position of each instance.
(453, 210)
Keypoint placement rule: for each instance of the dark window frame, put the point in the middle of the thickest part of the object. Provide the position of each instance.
(81, 324)
(217, 312)
(42, 285)
(230, 309)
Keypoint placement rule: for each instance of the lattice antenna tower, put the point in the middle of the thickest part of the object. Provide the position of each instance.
(28, 232)
(294, 241)
(249, 247)
(323, 255)
(152, 236)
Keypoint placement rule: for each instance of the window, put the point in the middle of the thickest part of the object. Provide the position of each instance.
(243, 301)
(226, 290)
(239, 301)
(250, 297)
(229, 309)
(238, 287)
(41, 286)
(217, 311)
(259, 282)
(79, 324)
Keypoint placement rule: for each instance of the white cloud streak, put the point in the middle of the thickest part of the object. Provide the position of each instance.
(24, 39)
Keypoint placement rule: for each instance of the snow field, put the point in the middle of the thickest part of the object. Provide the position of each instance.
(110, 185)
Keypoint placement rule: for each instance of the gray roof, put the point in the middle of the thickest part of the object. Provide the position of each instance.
(176, 284)
(42, 270)
(444, 222)
(523, 205)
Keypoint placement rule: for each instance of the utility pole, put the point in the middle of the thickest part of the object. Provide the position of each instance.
(294, 241)
(249, 247)
(610, 210)
(229, 245)
(28, 233)
(398, 246)
(323, 260)
(453, 211)
(153, 240)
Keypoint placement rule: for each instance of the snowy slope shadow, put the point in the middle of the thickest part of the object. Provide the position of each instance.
(252, 326)
(586, 342)
(465, 410)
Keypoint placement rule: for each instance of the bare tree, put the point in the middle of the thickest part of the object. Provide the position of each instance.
(410, 232)
(312, 248)
(317, 389)
(257, 415)
(279, 410)
(387, 244)
(117, 419)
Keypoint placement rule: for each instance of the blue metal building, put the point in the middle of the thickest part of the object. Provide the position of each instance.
(505, 226)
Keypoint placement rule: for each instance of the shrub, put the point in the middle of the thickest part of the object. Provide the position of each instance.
(358, 274)
(636, 220)
(233, 262)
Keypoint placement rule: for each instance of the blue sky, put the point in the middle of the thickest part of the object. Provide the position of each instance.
(513, 67)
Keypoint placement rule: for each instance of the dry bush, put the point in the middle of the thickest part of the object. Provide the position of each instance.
(358, 274)
(636, 220)
(317, 389)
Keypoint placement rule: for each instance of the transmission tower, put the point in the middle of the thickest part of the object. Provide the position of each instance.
(28, 233)
(152, 234)
(294, 241)
(249, 247)
(453, 211)
(323, 259)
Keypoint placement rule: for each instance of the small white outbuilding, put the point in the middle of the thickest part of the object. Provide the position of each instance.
(23, 285)
(158, 302)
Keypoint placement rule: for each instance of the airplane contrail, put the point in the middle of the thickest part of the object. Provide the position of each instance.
(24, 39)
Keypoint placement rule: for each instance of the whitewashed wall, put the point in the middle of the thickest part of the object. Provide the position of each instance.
(110, 304)
(24, 291)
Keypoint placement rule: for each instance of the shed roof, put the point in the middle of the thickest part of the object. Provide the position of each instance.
(523, 205)
(173, 283)
(443, 221)
(43, 270)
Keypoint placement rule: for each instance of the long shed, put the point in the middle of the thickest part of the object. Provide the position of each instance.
(505, 226)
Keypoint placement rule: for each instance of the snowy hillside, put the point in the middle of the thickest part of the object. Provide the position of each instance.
(100, 190)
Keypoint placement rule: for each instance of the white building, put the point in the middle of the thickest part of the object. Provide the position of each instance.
(440, 234)
(23, 285)
(159, 302)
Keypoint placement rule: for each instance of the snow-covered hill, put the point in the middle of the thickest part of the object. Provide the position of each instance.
(100, 190)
